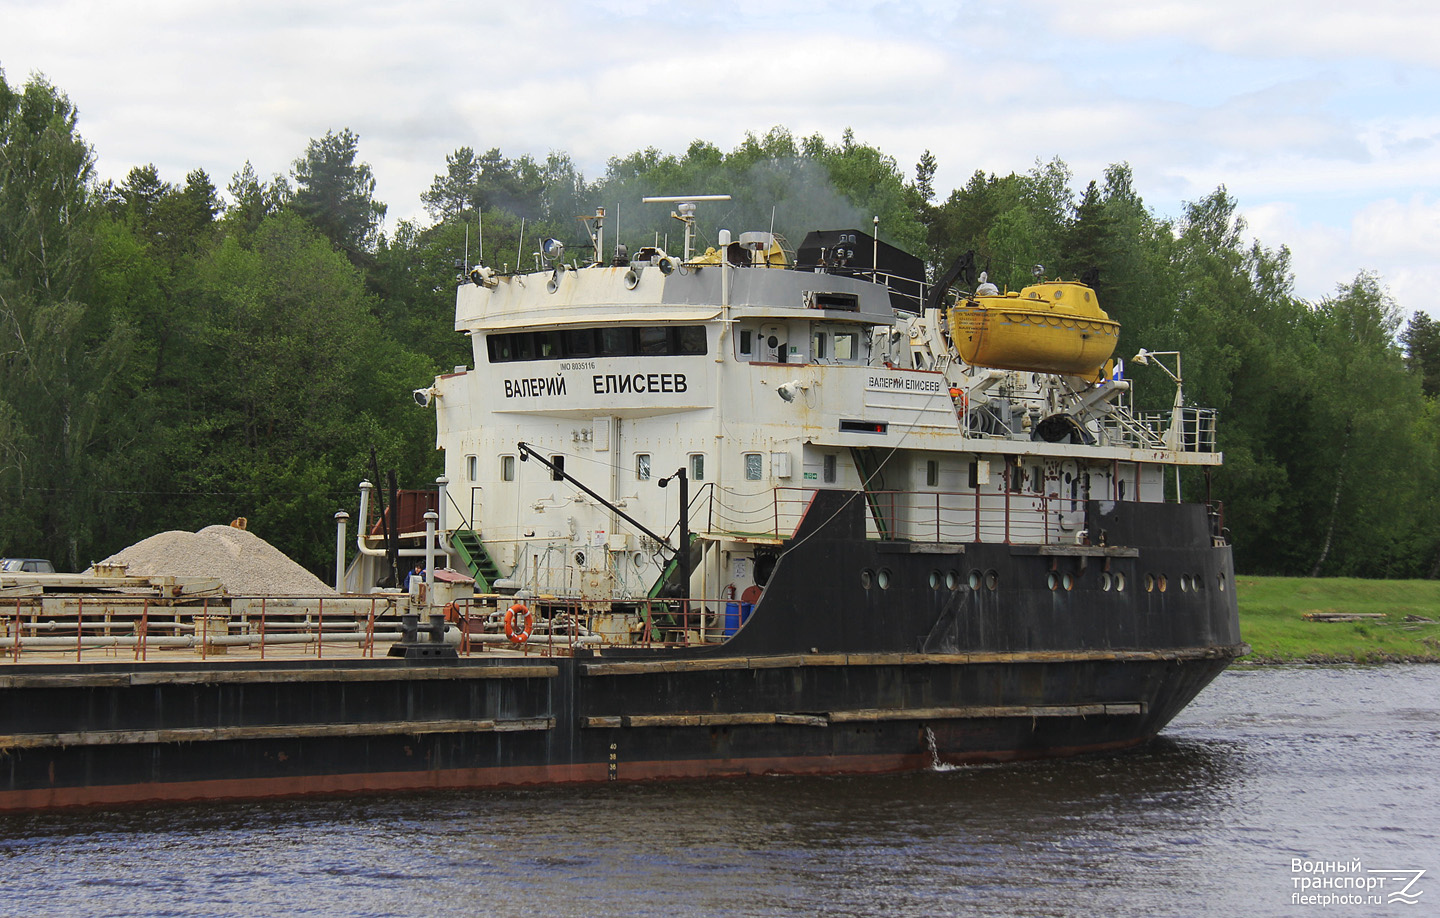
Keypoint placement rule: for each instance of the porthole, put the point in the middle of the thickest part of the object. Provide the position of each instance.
(974, 580)
(952, 580)
(1068, 582)
(882, 579)
(1161, 583)
(638, 558)
(1052, 580)
(1220, 579)
(1184, 583)
(579, 559)
(1119, 581)
(935, 580)
(1105, 583)
(867, 578)
(1149, 583)
(992, 580)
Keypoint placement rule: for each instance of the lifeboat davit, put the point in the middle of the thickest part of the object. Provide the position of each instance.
(1049, 327)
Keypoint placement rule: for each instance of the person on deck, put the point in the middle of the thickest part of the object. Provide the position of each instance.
(414, 575)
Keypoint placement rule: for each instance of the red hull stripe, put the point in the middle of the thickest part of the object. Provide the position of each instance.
(461, 778)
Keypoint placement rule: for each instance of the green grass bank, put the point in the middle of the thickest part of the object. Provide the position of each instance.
(1272, 621)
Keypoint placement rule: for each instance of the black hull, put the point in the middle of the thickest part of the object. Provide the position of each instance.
(826, 677)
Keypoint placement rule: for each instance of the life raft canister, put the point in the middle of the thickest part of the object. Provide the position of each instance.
(519, 622)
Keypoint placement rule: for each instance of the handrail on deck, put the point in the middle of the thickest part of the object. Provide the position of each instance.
(80, 628)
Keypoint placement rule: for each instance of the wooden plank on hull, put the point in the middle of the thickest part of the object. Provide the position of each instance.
(269, 731)
(869, 715)
(630, 668)
(976, 712)
(286, 676)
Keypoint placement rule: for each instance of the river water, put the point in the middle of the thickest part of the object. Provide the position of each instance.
(1269, 770)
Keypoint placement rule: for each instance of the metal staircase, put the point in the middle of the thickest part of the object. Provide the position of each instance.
(476, 559)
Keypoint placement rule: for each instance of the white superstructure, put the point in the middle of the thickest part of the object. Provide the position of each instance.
(762, 382)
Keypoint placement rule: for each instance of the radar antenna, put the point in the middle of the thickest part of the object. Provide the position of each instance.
(685, 213)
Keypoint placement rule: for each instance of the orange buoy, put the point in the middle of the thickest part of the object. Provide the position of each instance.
(519, 622)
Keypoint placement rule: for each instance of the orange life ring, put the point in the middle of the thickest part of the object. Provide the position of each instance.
(512, 615)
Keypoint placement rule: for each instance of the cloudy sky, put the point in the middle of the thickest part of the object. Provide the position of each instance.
(1320, 117)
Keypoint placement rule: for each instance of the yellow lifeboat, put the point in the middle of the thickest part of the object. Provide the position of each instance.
(1049, 327)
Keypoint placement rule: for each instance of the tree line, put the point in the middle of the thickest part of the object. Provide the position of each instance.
(173, 357)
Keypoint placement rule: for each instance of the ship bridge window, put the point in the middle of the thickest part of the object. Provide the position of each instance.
(507, 468)
(697, 466)
(654, 341)
(618, 342)
(817, 345)
(690, 340)
(624, 341)
(847, 346)
(547, 344)
(472, 466)
(580, 342)
(642, 466)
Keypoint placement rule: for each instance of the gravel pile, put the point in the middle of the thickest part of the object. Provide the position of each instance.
(245, 563)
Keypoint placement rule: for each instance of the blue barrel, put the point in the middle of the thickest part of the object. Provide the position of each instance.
(736, 614)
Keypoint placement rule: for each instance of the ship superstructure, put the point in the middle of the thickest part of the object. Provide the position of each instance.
(762, 381)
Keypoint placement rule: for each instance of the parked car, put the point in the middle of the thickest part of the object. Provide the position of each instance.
(26, 565)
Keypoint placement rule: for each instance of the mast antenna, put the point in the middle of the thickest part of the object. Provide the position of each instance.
(685, 213)
(875, 252)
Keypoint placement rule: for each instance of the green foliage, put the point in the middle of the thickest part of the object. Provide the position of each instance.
(253, 200)
(337, 194)
(45, 195)
(169, 362)
(60, 362)
(1421, 340)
